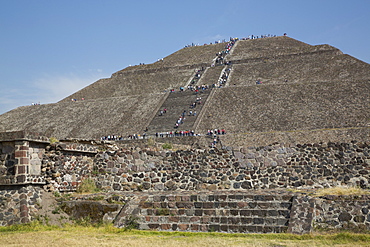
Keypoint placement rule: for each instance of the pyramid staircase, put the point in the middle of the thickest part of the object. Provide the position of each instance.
(179, 101)
(176, 103)
(221, 212)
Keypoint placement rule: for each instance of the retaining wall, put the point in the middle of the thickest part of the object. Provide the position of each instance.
(191, 178)
(275, 166)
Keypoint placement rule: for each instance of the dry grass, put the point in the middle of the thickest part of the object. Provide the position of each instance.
(341, 191)
(37, 235)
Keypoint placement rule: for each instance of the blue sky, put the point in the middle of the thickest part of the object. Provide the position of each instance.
(50, 49)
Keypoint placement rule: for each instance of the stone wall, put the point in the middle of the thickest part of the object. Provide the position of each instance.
(64, 171)
(19, 204)
(342, 212)
(63, 166)
(7, 162)
(274, 166)
(128, 169)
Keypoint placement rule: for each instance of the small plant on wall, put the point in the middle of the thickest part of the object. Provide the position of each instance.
(53, 140)
(167, 146)
(87, 185)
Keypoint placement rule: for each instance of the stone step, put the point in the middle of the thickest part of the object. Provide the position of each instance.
(261, 205)
(230, 228)
(175, 104)
(220, 197)
(281, 213)
(265, 220)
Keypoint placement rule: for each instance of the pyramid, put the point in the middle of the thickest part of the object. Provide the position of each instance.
(260, 91)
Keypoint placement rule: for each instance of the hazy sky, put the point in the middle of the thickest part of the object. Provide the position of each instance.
(50, 49)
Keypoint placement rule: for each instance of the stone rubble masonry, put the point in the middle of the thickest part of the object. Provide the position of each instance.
(342, 212)
(301, 216)
(22, 153)
(274, 166)
(19, 204)
(267, 211)
(25, 165)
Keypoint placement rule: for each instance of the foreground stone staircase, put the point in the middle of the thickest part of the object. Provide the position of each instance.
(240, 212)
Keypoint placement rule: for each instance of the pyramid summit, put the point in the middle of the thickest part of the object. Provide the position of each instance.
(260, 91)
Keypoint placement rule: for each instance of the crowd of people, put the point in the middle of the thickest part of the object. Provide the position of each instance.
(176, 133)
(260, 37)
(220, 56)
(244, 38)
(198, 74)
(212, 132)
(196, 89)
(112, 138)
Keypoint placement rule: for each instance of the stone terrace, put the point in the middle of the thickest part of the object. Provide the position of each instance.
(194, 56)
(85, 119)
(135, 83)
(173, 71)
(305, 68)
(272, 47)
(287, 107)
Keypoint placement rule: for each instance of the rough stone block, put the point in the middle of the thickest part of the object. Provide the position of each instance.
(224, 228)
(251, 228)
(209, 212)
(208, 204)
(189, 212)
(174, 227)
(35, 169)
(173, 218)
(21, 179)
(193, 198)
(153, 226)
(234, 228)
(282, 222)
(165, 227)
(24, 161)
(195, 219)
(194, 227)
(20, 153)
(246, 221)
(183, 227)
(205, 220)
(234, 220)
(21, 169)
(258, 221)
(245, 212)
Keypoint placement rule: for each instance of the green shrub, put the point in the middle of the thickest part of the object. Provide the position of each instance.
(87, 186)
(151, 142)
(53, 140)
(167, 146)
